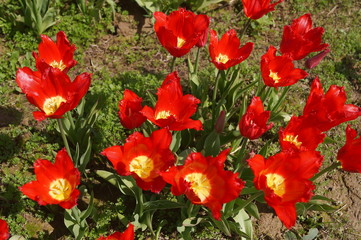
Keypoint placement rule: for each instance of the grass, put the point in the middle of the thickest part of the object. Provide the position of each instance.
(139, 63)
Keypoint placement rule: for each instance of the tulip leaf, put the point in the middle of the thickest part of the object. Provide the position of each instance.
(245, 224)
(161, 204)
(212, 144)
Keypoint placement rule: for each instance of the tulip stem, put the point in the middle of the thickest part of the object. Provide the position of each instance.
(62, 132)
(215, 96)
(281, 99)
(246, 25)
(253, 197)
(197, 61)
(326, 170)
(172, 64)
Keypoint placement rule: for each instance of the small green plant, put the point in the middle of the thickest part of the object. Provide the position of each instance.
(37, 15)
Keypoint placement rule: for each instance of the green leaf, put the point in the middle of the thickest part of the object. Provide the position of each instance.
(252, 210)
(245, 223)
(176, 141)
(161, 204)
(312, 234)
(212, 144)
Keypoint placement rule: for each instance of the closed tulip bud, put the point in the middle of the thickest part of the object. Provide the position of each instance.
(315, 60)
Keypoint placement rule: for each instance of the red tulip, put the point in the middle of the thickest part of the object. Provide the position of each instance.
(350, 154)
(279, 71)
(173, 109)
(315, 60)
(180, 31)
(300, 39)
(58, 55)
(325, 111)
(205, 182)
(55, 183)
(227, 52)
(300, 136)
(284, 179)
(51, 90)
(256, 9)
(254, 122)
(128, 234)
(144, 158)
(4, 230)
(129, 110)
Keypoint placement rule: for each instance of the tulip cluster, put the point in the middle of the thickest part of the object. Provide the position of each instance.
(149, 156)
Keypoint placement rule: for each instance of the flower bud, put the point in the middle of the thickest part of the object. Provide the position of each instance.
(219, 126)
(315, 60)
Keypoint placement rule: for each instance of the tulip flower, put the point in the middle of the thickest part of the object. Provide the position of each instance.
(129, 110)
(325, 111)
(315, 60)
(204, 181)
(226, 52)
(300, 136)
(256, 9)
(58, 55)
(4, 230)
(300, 39)
(173, 109)
(128, 234)
(279, 71)
(55, 183)
(350, 154)
(181, 30)
(51, 90)
(254, 122)
(284, 179)
(144, 158)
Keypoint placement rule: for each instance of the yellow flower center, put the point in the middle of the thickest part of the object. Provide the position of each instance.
(180, 42)
(276, 183)
(292, 139)
(52, 104)
(200, 185)
(163, 115)
(142, 166)
(60, 189)
(60, 65)
(222, 59)
(274, 76)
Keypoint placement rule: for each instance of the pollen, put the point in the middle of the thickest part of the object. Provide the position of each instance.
(277, 183)
(222, 59)
(180, 42)
(60, 65)
(142, 166)
(293, 139)
(274, 76)
(163, 115)
(200, 185)
(60, 189)
(52, 104)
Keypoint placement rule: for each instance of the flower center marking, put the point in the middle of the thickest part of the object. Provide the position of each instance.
(60, 65)
(276, 183)
(52, 104)
(163, 115)
(200, 185)
(180, 42)
(274, 76)
(222, 59)
(292, 139)
(60, 189)
(142, 166)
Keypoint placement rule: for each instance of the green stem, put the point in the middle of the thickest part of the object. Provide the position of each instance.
(326, 170)
(172, 64)
(197, 61)
(253, 197)
(62, 132)
(246, 25)
(282, 98)
(215, 97)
